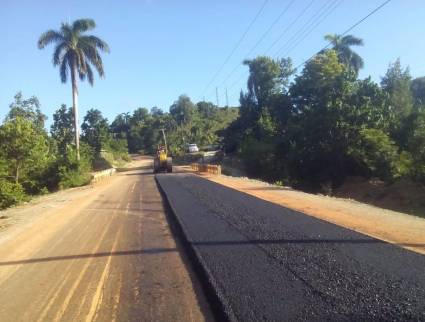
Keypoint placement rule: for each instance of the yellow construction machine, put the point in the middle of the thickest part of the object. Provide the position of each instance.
(162, 162)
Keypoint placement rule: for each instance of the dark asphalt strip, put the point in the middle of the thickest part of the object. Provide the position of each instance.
(270, 263)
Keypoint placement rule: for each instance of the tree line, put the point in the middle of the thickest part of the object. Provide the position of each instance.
(186, 122)
(314, 128)
(34, 161)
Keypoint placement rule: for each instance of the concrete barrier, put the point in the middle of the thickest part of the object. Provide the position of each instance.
(100, 175)
(209, 168)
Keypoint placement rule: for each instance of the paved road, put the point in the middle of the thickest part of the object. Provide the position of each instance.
(107, 256)
(269, 263)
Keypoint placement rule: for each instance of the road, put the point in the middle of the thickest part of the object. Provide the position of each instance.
(106, 255)
(264, 262)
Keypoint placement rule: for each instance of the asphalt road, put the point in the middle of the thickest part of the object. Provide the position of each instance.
(106, 256)
(264, 262)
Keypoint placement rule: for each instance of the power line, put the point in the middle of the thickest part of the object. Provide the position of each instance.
(237, 45)
(290, 25)
(268, 30)
(322, 17)
(303, 11)
(343, 34)
(315, 16)
(261, 38)
(349, 29)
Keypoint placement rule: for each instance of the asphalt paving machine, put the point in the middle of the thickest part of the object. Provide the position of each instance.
(162, 162)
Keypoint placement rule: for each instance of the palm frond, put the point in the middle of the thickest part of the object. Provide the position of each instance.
(81, 61)
(351, 40)
(63, 70)
(66, 30)
(59, 52)
(48, 37)
(75, 52)
(332, 38)
(82, 25)
(356, 61)
(90, 75)
(94, 58)
(95, 42)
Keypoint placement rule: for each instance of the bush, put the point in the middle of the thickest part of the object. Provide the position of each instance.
(10, 194)
(260, 159)
(119, 149)
(72, 173)
(378, 155)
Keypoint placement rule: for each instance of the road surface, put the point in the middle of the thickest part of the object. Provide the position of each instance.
(264, 262)
(106, 255)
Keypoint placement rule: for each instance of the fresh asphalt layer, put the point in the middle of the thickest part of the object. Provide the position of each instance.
(265, 262)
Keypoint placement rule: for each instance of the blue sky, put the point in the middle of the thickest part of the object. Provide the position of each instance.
(163, 48)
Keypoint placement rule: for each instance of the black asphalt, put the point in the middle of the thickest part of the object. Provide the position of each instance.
(269, 263)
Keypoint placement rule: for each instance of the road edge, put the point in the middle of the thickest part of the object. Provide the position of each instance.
(220, 307)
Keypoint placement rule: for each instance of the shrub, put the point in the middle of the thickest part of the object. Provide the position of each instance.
(378, 155)
(10, 193)
(72, 173)
(260, 159)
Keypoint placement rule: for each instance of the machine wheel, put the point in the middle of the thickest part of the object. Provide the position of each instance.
(169, 165)
(155, 165)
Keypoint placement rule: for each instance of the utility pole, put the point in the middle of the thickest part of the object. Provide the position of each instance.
(227, 99)
(216, 96)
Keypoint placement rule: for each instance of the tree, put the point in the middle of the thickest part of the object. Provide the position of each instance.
(120, 127)
(396, 83)
(62, 128)
(341, 44)
(28, 109)
(378, 155)
(22, 145)
(183, 110)
(319, 131)
(95, 130)
(264, 80)
(418, 91)
(206, 109)
(76, 53)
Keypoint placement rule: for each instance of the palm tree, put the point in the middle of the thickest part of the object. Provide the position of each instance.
(342, 44)
(75, 54)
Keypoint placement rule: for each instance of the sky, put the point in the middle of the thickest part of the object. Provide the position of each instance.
(161, 49)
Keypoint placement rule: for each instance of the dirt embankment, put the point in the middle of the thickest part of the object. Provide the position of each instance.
(403, 196)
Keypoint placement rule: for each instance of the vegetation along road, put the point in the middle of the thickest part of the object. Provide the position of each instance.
(105, 255)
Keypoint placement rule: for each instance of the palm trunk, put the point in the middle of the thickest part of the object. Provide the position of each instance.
(75, 108)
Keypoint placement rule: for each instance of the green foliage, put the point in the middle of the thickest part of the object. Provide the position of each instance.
(71, 172)
(23, 146)
(10, 193)
(260, 159)
(346, 56)
(182, 110)
(95, 130)
(378, 155)
(28, 109)
(417, 148)
(396, 83)
(62, 129)
(186, 123)
(328, 124)
(418, 91)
